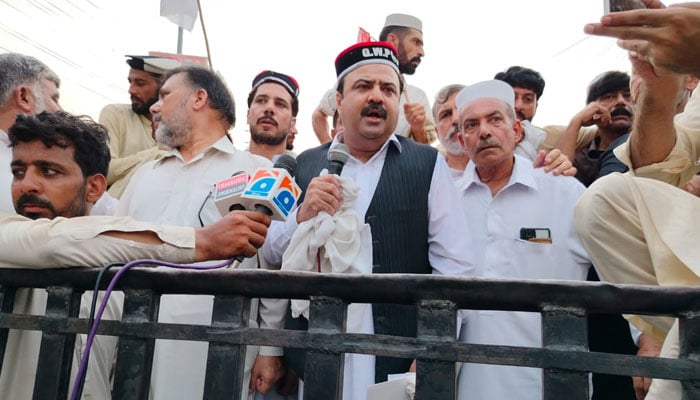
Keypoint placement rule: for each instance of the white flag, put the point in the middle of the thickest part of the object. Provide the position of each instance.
(183, 13)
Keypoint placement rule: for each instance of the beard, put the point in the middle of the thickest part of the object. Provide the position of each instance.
(264, 137)
(406, 66)
(39, 100)
(173, 135)
(451, 145)
(521, 116)
(76, 208)
(176, 130)
(142, 107)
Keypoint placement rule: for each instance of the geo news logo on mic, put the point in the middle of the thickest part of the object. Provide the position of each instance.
(273, 187)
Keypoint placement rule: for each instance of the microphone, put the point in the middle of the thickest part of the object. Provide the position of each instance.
(227, 193)
(338, 154)
(273, 191)
(287, 162)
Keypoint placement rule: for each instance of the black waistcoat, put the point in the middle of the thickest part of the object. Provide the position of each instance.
(398, 217)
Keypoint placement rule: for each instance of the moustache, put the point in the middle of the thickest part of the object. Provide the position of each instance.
(520, 115)
(486, 143)
(451, 134)
(33, 199)
(267, 118)
(620, 111)
(416, 60)
(135, 99)
(374, 109)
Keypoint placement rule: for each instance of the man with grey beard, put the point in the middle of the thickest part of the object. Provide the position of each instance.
(196, 111)
(273, 104)
(28, 87)
(447, 127)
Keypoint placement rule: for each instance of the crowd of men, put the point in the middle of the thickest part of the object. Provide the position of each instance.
(467, 187)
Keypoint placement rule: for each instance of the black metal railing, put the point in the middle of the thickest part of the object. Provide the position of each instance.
(564, 355)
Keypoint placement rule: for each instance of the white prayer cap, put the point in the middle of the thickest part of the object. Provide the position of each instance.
(405, 20)
(487, 89)
(155, 65)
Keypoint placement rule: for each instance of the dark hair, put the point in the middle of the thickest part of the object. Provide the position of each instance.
(517, 76)
(607, 82)
(336, 117)
(400, 31)
(295, 100)
(88, 138)
(220, 97)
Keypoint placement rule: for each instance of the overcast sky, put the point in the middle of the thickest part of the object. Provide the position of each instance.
(85, 41)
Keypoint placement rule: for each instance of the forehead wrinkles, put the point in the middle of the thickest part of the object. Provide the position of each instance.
(482, 108)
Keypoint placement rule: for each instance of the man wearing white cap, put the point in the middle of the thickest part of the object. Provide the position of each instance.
(521, 226)
(405, 194)
(405, 33)
(131, 140)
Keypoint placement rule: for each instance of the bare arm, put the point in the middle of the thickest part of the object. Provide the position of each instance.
(417, 120)
(319, 122)
(653, 133)
(592, 114)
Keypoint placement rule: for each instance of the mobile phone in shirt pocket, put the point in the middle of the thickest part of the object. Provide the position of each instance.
(536, 235)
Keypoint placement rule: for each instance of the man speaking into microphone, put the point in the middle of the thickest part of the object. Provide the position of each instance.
(406, 195)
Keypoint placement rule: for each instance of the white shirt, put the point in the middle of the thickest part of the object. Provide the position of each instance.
(532, 139)
(5, 174)
(23, 346)
(105, 205)
(531, 199)
(447, 251)
(172, 191)
(45, 243)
